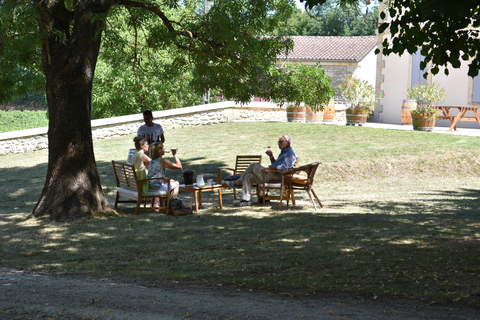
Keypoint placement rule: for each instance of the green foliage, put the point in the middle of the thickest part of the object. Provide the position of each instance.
(314, 85)
(426, 94)
(133, 75)
(359, 94)
(20, 69)
(298, 83)
(156, 55)
(333, 19)
(19, 120)
(446, 31)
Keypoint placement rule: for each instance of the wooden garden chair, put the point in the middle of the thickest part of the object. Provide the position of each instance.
(241, 163)
(300, 178)
(134, 189)
(269, 185)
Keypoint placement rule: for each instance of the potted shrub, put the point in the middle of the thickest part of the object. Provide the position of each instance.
(427, 97)
(298, 86)
(361, 97)
(316, 91)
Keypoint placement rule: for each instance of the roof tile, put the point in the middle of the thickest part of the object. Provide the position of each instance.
(319, 48)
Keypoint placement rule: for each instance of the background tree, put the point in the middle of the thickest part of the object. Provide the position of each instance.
(223, 47)
(333, 19)
(20, 64)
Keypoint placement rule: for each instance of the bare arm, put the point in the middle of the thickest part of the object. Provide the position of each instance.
(170, 165)
(146, 160)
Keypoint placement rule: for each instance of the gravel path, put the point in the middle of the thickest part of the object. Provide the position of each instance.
(31, 295)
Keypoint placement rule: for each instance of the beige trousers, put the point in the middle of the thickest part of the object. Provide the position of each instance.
(251, 175)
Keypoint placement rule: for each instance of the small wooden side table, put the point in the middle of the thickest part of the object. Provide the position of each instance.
(197, 191)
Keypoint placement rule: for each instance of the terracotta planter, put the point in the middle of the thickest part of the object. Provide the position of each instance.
(407, 106)
(313, 117)
(422, 124)
(355, 116)
(295, 114)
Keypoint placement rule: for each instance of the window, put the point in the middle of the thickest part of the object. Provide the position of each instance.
(417, 73)
(476, 89)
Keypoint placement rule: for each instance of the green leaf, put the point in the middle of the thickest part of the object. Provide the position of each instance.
(69, 5)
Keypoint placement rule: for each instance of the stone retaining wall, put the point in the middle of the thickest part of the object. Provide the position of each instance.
(36, 139)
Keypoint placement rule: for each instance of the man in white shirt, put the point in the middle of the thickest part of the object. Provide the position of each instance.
(151, 131)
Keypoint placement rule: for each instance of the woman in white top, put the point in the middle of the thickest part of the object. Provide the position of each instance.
(140, 160)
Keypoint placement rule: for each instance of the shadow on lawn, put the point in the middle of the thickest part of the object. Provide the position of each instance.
(426, 248)
(460, 203)
(21, 186)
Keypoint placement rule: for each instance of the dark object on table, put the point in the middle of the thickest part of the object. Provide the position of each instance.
(188, 177)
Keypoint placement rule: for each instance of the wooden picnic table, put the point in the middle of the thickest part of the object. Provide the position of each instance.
(460, 115)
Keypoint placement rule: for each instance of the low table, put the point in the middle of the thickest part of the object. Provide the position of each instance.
(197, 191)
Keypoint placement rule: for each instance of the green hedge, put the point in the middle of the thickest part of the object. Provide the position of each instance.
(19, 120)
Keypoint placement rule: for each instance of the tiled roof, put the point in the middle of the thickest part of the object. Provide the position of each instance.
(314, 48)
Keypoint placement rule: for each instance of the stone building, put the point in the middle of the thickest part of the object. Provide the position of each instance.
(338, 56)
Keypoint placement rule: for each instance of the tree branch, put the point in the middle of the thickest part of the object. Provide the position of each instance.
(167, 22)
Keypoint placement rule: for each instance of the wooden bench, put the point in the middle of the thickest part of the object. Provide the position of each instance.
(131, 188)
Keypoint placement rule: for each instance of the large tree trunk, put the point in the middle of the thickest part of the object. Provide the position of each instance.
(70, 46)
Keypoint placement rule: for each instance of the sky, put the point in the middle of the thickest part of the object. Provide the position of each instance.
(300, 5)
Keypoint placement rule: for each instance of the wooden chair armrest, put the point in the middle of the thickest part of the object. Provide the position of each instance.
(292, 171)
(296, 170)
(219, 173)
(268, 170)
(148, 179)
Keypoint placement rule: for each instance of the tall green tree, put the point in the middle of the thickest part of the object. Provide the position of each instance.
(224, 48)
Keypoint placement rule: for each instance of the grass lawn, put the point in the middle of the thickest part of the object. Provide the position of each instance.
(401, 217)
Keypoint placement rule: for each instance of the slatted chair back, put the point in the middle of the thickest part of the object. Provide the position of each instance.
(125, 175)
(241, 163)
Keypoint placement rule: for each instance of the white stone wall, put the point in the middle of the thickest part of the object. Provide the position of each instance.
(36, 139)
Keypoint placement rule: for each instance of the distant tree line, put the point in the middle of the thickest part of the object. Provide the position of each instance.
(333, 19)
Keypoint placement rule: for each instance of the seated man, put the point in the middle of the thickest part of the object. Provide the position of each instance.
(254, 172)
